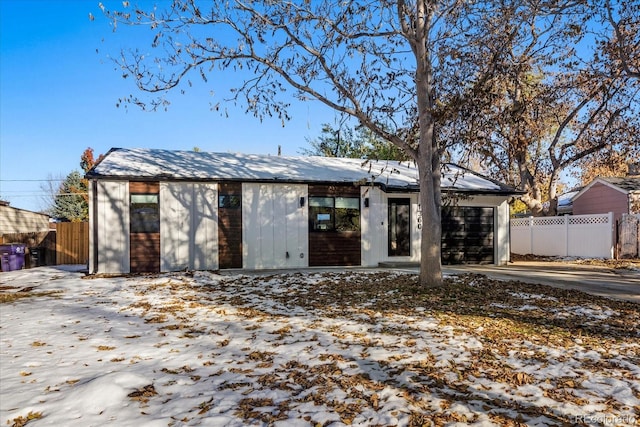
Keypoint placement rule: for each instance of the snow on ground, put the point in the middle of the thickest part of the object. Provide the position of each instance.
(309, 349)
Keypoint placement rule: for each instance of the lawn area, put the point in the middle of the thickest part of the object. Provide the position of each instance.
(311, 349)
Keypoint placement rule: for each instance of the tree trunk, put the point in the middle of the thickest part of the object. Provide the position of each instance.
(431, 232)
(428, 159)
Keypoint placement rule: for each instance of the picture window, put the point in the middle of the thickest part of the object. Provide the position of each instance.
(145, 213)
(334, 214)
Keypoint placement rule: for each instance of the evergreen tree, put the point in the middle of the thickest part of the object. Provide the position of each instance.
(357, 143)
(70, 203)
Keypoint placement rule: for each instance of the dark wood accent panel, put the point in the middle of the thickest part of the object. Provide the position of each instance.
(348, 190)
(145, 252)
(230, 188)
(334, 249)
(144, 187)
(230, 238)
(230, 229)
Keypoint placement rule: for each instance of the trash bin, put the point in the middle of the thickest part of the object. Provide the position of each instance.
(12, 255)
(36, 257)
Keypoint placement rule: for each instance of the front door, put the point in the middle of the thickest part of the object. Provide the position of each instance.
(399, 227)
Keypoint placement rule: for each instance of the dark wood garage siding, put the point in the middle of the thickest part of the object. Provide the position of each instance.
(334, 248)
(230, 227)
(467, 235)
(144, 254)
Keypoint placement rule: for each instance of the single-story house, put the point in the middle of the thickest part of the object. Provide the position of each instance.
(31, 229)
(156, 210)
(16, 221)
(620, 195)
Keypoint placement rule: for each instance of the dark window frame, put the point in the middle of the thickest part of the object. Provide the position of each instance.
(229, 201)
(343, 218)
(147, 222)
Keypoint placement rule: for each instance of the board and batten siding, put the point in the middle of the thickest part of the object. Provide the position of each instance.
(373, 227)
(274, 226)
(188, 226)
(109, 220)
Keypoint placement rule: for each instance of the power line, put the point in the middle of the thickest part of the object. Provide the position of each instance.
(33, 180)
(22, 194)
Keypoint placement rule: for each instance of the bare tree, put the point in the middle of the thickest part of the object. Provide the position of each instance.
(550, 113)
(623, 44)
(404, 69)
(50, 188)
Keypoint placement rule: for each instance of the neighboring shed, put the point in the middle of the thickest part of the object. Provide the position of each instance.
(619, 195)
(162, 210)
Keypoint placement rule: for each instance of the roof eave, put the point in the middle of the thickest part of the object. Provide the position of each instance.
(385, 187)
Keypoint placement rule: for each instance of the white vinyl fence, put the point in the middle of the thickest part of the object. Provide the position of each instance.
(586, 236)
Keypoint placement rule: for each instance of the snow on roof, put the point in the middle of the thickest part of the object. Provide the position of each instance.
(627, 183)
(161, 164)
(566, 199)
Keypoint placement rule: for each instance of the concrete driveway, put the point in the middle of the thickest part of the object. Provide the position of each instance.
(619, 284)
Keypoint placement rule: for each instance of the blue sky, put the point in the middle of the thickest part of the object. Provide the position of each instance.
(58, 96)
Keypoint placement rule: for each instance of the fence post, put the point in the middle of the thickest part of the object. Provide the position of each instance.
(612, 238)
(637, 218)
(531, 234)
(566, 234)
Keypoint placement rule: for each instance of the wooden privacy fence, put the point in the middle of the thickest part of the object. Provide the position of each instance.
(587, 236)
(72, 243)
(629, 236)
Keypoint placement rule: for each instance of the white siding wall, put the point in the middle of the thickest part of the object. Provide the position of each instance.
(188, 226)
(502, 233)
(112, 228)
(375, 228)
(205, 256)
(274, 226)
(416, 230)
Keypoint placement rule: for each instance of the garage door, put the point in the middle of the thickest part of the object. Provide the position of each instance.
(467, 235)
